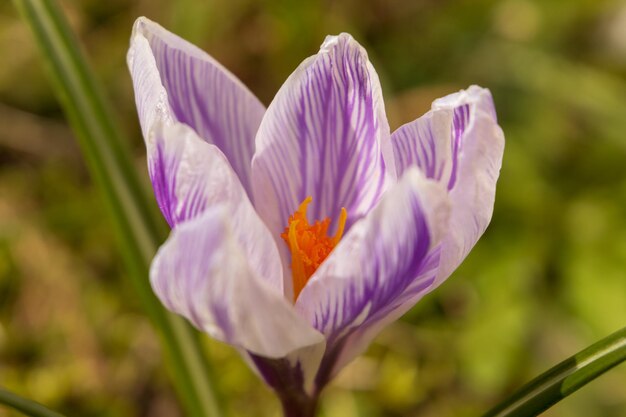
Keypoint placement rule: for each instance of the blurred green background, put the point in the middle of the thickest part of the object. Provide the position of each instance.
(547, 279)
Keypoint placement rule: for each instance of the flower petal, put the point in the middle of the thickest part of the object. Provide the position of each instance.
(460, 144)
(357, 340)
(150, 96)
(203, 274)
(425, 143)
(384, 260)
(178, 82)
(323, 136)
(189, 176)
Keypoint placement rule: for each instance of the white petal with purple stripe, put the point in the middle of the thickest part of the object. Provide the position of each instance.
(203, 274)
(322, 136)
(460, 144)
(473, 188)
(189, 176)
(425, 143)
(196, 90)
(383, 261)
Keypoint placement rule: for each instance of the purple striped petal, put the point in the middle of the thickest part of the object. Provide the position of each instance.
(202, 273)
(323, 136)
(425, 143)
(460, 144)
(177, 80)
(189, 176)
(386, 259)
(356, 341)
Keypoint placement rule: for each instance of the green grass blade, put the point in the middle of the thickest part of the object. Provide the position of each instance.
(565, 378)
(110, 165)
(25, 406)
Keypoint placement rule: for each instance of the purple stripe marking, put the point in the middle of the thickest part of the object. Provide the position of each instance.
(160, 169)
(416, 143)
(188, 273)
(460, 121)
(381, 288)
(323, 139)
(163, 169)
(210, 101)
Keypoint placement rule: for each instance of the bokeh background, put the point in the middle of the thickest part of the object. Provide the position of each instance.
(547, 279)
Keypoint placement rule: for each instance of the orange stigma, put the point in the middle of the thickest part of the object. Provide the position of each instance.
(309, 244)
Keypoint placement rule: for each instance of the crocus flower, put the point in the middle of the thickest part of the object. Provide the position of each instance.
(301, 230)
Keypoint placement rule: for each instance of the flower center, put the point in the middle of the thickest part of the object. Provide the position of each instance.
(309, 244)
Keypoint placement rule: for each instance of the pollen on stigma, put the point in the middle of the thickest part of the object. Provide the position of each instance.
(309, 244)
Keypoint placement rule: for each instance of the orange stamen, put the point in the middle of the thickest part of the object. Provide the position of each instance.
(309, 244)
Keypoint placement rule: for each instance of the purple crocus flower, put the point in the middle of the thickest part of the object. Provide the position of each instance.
(301, 230)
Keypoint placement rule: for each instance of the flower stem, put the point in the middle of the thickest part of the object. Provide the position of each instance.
(299, 406)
